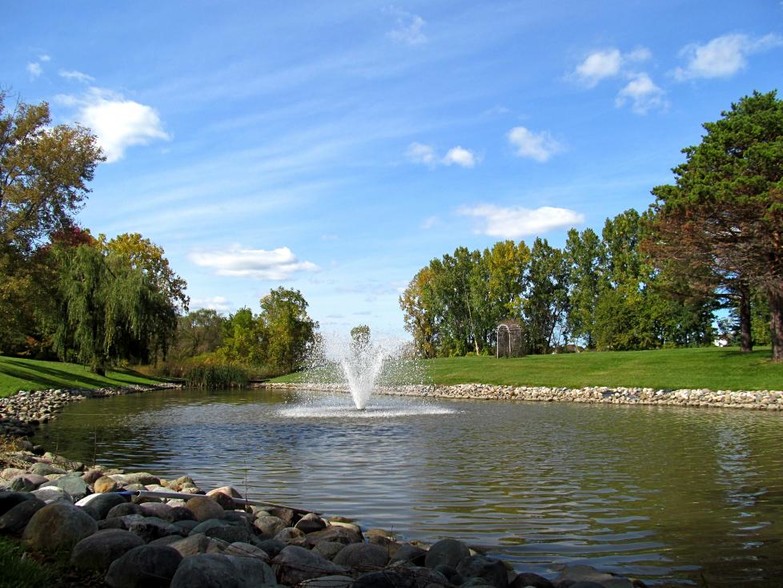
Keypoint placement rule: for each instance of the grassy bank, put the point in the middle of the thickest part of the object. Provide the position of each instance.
(712, 368)
(28, 374)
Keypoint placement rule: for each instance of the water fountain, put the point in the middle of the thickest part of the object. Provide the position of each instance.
(365, 368)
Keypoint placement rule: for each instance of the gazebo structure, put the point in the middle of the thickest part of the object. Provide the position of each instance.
(510, 342)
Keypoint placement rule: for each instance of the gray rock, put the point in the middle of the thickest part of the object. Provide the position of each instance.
(193, 544)
(71, 483)
(97, 552)
(291, 536)
(46, 469)
(328, 548)
(492, 571)
(124, 509)
(526, 579)
(296, 564)
(27, 482)
(362, 557)
(146, 566)
(57, 527)
(329, 582)
(269, 525)
(310, 522)
(98, 506)
(446, 552)
(151, 528)
(142, 478)
(337, 533)
(51, 494)
(241, 549)
(393, 578)
(14, 520)
(410, 553)
(214, 570)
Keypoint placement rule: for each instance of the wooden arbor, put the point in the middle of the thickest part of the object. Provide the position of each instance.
(510, 342)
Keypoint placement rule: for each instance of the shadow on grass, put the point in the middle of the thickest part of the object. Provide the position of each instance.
(51, 377)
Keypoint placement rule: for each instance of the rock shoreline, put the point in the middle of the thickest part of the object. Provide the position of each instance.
(753, 400)
(135, 529)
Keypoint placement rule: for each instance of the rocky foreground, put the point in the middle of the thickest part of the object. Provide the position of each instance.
(136, 529)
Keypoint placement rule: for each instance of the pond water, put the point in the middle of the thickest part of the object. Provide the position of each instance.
(673, 496)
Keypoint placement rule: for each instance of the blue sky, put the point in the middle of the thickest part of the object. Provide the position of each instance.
(337, 147)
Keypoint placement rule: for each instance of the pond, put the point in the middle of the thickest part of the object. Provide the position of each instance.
(673, 496)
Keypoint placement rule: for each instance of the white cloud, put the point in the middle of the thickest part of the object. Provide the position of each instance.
(218, 303)
(76, 76)
(426, 155)
(34, 69)
(643, 94)
(538, 146)
(409, 29)
(598, 66)
(277, 264)
(419, 153)
(117, 122)
(459, 156)
(723, 56)
(515, 221)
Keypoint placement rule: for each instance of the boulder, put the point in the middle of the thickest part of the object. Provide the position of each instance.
(26, 482)
(532, 580)
(57, 527)
(142, 478)
(446, 552)
(410, 553)
(151, 528)
(493, 571)
(98, 506)
(269, 525)
(14, 520)
(51, 494)
(291, 536)
(96, 552)
(105, 484)
(9, 499)
(295, 564)
(310, 523)
(329, 582)
(204, 508)
(215, 570)
(124, 509)
(225, 530)
(45, 469)
(338, 533)
(196, 543)
(241, 549)
(146, 566)
(71, 483)
(362, 557)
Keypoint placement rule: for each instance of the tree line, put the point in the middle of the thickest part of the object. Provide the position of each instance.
(712, 240)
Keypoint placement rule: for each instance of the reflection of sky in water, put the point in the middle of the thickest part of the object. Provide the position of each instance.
(650, 492)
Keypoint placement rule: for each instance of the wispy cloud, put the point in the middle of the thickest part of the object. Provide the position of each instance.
(539, 146)
(76, 76)
(409, 28)
(515, 221)
(426, 155)
(35, 68)
(723, 56)
(643, 94)
(277, 264)
(119, 123)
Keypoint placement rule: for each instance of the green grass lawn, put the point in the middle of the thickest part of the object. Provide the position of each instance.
(712, 368)
(29, 374)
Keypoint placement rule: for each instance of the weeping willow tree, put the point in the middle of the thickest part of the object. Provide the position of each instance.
(113, 307)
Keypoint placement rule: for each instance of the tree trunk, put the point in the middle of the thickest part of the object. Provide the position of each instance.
(775, 294)
(746, 336)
